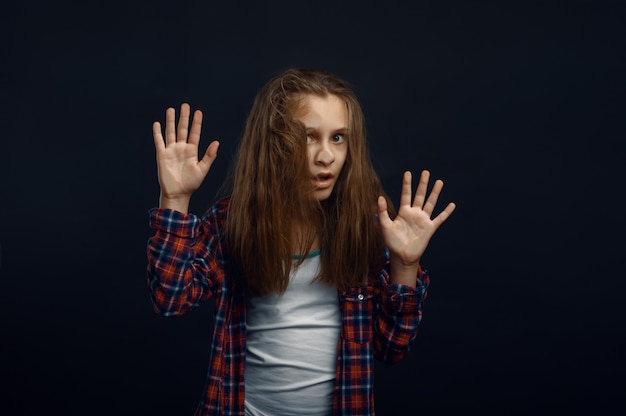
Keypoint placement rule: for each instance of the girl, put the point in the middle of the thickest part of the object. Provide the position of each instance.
(312, 272)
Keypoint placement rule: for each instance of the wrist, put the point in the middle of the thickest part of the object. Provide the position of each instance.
(403, 273)
(178, 203)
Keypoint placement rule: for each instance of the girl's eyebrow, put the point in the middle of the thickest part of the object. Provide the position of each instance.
(339, 130)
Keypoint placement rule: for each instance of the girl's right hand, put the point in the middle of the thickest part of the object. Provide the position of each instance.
(180, 171)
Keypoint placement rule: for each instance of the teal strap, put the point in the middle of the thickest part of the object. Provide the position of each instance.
(307, 256)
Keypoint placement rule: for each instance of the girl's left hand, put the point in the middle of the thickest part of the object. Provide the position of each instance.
(407, 235)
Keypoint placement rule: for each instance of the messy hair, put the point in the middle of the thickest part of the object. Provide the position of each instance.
(272, 193)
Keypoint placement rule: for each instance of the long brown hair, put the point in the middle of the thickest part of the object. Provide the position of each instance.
(272, 193)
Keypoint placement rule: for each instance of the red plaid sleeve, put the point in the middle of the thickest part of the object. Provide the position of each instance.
(397, 315)
(379, 321)
(185, 261)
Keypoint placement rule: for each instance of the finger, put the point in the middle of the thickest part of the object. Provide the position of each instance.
(383, 214)
(433, 197)
(157, 134)
(209, 156)
(196, 127)
(444, 215)
(170, 126)
(420, 192)
(183, 123)
(405, 195)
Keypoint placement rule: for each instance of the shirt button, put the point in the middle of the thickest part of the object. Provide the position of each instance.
(360, 297)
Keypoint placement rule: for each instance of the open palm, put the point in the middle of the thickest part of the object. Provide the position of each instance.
(180, 171)
(408, 234)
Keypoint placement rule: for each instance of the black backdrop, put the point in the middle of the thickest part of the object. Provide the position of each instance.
(518, 106)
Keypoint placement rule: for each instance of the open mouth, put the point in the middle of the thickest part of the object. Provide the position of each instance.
(322, 177)
(323, 180)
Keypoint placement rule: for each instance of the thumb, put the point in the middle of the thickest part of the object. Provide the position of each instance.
(383, 214)
(209, 156)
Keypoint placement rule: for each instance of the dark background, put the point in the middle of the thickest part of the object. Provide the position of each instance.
(518, 106)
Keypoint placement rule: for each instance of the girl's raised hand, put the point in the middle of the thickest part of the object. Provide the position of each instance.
(180, 171)
(407, 235)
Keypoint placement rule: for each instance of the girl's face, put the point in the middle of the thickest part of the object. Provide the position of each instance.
(326, 122)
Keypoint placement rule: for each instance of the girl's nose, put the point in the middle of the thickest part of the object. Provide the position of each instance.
(325, 156)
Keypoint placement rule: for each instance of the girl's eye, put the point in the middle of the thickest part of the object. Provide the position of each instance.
(338, 138)
(309, 138)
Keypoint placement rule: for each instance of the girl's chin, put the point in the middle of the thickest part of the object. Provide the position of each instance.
(323, 194)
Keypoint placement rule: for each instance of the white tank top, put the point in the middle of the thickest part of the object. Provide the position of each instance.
(291, 347)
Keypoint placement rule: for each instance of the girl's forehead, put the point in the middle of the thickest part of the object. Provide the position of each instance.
(306, 103)
(329, 111)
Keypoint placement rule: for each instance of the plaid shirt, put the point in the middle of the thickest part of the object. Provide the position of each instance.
(187, 265)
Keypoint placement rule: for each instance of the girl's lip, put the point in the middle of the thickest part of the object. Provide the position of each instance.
(323, 180)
